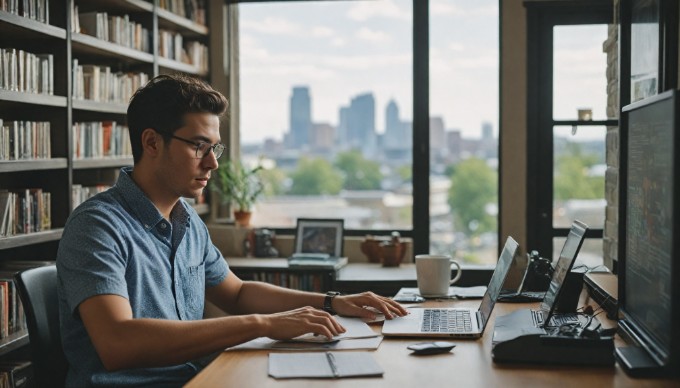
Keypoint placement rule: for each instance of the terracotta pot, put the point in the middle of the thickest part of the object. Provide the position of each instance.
(371, 248)
(242, 217)
(392, 253)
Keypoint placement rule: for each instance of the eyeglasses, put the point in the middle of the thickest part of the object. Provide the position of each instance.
(203, 148)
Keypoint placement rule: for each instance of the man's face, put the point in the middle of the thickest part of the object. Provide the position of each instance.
(183, 172)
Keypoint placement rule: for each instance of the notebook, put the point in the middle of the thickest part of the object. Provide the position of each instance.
(545, 316)
(469, 323)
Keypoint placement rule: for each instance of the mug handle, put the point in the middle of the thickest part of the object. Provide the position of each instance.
(458, 274)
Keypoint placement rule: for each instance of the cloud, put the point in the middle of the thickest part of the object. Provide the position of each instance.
(271, 25)
(322, 32)
(439, 8)
(373, 36)
(362, 11)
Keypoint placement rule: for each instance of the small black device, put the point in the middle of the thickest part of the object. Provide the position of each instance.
(539, 273)
(426, 348)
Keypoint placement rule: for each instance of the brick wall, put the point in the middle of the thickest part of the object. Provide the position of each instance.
(610, 239)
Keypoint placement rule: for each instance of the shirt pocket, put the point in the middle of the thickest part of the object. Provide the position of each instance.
(194, 291)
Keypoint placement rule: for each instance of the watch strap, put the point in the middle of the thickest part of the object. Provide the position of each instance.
(328, 301)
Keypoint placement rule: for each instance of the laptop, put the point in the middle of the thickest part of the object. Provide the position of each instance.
(455, 322)
(545, 316)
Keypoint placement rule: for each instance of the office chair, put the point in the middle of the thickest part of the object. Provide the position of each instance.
(38, 291)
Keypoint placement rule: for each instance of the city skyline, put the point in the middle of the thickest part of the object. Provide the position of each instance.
(345, 48)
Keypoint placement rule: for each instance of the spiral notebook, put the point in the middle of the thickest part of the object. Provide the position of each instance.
(326, 365)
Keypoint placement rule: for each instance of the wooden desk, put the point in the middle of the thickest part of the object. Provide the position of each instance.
(469, 365)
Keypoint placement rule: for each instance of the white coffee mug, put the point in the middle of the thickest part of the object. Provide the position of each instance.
(434, 274)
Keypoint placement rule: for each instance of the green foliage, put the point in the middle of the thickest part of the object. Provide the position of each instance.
(315, 177)
(473, 186)
(405, 173)
(360, 173)
(571, 179)
(273, 180)
(237, 184)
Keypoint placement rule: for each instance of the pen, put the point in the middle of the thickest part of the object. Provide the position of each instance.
(331, 362)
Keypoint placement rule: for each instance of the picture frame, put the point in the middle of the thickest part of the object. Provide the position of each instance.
(318, 235)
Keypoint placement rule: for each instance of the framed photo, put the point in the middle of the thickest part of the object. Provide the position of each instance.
(319, 236)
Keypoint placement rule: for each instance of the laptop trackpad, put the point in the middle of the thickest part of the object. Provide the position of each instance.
(407, 324)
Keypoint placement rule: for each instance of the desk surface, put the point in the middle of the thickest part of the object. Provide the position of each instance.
(469, 365)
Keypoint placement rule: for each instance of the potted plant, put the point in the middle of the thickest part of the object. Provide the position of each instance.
(239, 186)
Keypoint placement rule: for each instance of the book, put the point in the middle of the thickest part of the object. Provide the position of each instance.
(316, 260)
(323, 365)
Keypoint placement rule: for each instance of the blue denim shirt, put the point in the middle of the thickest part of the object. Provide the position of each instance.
(118, 243)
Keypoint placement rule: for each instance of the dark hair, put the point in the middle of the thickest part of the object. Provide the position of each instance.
(162, 103)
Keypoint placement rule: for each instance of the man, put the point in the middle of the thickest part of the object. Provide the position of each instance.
(136, 262)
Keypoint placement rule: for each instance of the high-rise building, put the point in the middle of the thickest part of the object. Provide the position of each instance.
(300, 117)
(361, 123)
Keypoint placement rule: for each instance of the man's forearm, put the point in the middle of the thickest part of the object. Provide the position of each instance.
(138, 343)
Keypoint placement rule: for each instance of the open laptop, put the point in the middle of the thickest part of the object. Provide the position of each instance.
(545, 316)
(455, 322)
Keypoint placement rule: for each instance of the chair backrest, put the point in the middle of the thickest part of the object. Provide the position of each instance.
(38, 291)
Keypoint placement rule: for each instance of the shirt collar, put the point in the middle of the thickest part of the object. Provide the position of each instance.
(141, 205)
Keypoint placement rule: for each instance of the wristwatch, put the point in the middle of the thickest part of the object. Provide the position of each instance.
(328, 301)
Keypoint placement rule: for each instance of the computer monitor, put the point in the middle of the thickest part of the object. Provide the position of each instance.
(649, 281)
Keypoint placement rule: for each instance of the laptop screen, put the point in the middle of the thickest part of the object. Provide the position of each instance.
(564, 264)
(510, 249)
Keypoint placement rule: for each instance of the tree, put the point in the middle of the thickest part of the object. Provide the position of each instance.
(360, 173)
(473, 187)
(273, 180)
(571, 178)
(315, 177)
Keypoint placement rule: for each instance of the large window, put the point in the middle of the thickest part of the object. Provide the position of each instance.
(326, 95)
(326, 102)
(570, 112)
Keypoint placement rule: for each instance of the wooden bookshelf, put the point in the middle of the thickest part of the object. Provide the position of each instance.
(62, 171)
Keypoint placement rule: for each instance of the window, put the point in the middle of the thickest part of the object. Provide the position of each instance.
(569, 116)
(326, 95)
(464, 129)
(326, 100)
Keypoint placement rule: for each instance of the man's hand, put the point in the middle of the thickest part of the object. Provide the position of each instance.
(355, 306)
(290, 324)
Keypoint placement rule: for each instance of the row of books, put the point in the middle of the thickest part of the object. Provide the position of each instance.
(24, 211)
(12, 317)
(193, 10)
(21, 71)
(25, 140)
(171, 45)
(98, 139)
(16, 374)
(32, 9)
(80, 193)
(99, 83)
(298, 281)
(112, 28)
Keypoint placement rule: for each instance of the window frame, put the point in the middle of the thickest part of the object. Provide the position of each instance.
(420, 232)
(541, 18)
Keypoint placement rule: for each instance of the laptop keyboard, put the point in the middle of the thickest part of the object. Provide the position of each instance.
(555, 320)
(446, 321)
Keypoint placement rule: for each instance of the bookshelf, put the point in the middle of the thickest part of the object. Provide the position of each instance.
(276, 271)
(64, 90)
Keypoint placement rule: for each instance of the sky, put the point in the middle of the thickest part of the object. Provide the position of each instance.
(341, 49)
